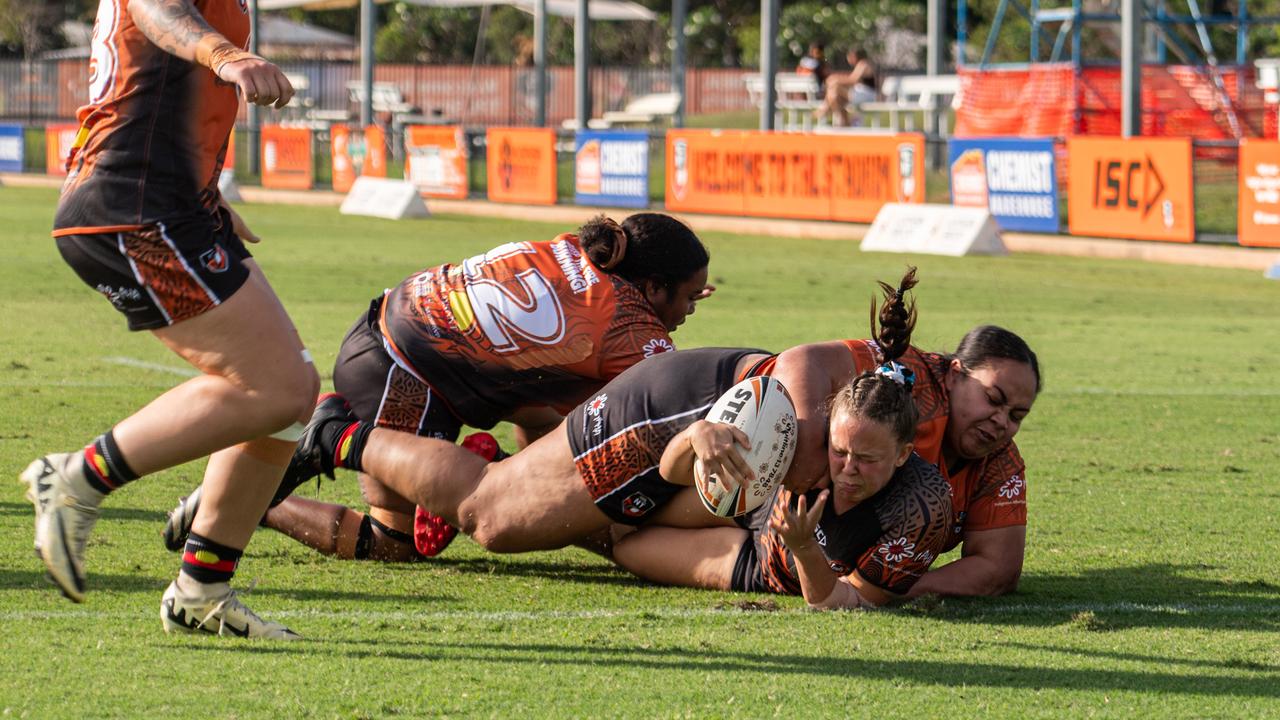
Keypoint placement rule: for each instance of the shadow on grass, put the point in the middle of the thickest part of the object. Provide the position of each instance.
(1151, 595)
(707, 662)
(520, 566)
(109, 513)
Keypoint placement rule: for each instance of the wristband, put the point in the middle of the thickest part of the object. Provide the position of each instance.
(214, 51)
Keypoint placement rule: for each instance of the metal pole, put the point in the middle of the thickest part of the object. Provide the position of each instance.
(581, 66)
(933, 66)
(540, 61)
(678, 8)
(1130, 68)
(366, 62)
(255, 113)
(768, 61)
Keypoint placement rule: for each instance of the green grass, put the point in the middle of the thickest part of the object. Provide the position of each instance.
(1150, 587)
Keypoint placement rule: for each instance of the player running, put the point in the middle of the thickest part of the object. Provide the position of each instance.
(141, 221)
(523, 333)
(861, 542)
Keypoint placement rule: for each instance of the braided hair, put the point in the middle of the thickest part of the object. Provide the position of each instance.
(883, 394)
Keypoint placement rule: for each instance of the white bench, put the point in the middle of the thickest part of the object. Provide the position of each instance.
(653, 109)
(905, 95)
(796, 97)
(386, 97)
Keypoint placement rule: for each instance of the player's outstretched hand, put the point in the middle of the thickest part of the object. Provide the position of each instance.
(797, 526)
(261, 82)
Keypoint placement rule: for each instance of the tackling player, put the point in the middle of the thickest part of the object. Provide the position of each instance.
(141, 221)
(522, 332)
(868, 537)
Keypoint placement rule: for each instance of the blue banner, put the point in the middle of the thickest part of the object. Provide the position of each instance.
(12, 148)
(612, 168)
(1015, 178)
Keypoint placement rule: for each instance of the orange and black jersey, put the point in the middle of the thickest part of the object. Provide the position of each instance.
(890, 538)
(525, 324)
(154, 132)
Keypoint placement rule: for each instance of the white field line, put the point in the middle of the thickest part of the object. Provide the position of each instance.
(143, 364)
(996, 611)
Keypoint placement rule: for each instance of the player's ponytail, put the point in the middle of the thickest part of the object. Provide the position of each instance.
(884, 393)
(646, 246)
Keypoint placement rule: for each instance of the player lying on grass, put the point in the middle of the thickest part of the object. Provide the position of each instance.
(141, 221)
(860, 542)
(602, 465)
(971, 403)
(523, 333)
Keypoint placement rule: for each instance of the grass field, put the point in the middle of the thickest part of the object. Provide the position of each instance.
(1150, 590)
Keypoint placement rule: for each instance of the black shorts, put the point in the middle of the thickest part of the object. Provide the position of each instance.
(164, 273)
(381, 391)
(618, 436)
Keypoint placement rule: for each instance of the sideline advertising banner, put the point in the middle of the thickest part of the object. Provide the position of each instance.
(1131, 188)
(356, 153)
(57, 147)
(1259, 224)
(522, 165)
(819, 177)
(1015, 179)
(286, 158)
(436, 160)
(611, 168)
(12, 148)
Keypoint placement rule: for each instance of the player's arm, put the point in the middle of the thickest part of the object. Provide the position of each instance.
(176, 27)
(823, 589)
(811, 373)
(713, 443)
(990, 564)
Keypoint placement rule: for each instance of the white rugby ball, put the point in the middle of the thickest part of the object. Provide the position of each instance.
(761, 408)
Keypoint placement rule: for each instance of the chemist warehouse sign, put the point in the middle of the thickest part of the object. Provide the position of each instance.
(612, 168)
(1016, 180)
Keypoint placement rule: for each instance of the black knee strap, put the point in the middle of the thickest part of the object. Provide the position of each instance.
(390, 532)
(364, 539)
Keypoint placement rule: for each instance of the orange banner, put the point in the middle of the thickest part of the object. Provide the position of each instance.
(286, 158)
(355, 153)
(824, 177)
(58, 140)
(522, 165)
(435, 159)
(1259, 224)
(1133, 188)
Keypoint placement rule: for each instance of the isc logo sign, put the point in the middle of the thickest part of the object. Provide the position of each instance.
(1136, 189)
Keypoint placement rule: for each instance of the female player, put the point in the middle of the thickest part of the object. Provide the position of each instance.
(868, 537)
(523, 333)
(141, 221)
(971, 404)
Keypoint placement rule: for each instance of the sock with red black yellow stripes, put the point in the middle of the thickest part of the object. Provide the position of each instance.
(105, 468)
(209, 562)
(347, 444)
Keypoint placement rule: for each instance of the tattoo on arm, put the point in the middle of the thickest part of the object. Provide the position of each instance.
(175, 26)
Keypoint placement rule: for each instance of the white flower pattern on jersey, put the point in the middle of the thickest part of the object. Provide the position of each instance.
(1012, 487)
(898, 550)
(658, 345)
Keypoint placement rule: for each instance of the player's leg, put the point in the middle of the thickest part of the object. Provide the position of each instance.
(685, 510)
(702, 558)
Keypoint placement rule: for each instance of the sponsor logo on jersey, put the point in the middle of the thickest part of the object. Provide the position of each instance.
(924, 557)
(658, 345)
(215, 259)
(637, 504)
(595, 408)
(897, 550)
(1012, 487)
(120, 296)
(821, 536)
(576, 270)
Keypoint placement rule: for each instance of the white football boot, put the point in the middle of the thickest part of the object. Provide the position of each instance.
(178, 526)
(66, 511)
(218, 611)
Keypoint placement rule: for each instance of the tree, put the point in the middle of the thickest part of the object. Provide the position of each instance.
(30, 28)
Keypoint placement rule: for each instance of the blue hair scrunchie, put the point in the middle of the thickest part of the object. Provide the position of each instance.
(898, 373)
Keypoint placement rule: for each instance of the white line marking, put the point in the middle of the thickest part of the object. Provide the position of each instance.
(143, 364)
(1259, 609)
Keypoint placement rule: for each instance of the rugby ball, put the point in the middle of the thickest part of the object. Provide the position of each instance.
(761, 408)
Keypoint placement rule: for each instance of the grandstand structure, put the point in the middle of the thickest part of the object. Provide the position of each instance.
(1070, 81)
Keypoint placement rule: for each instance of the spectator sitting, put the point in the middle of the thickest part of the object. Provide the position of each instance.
(815, 63)
(858, 86)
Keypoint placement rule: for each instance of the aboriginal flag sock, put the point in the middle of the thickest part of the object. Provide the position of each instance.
(209, 562)
(104, 466)
(348, 444)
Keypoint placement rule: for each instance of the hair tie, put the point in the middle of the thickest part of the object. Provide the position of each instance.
(619, 245)
(898, 373)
